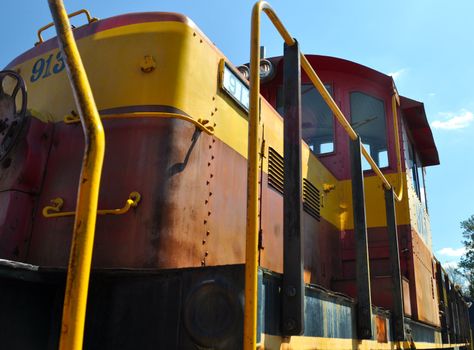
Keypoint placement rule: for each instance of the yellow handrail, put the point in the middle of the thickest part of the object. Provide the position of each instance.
(251, 241)
(318, 84)
(395, 103)
(54, 210)
(77, 283)
(251, 253)
(90, 19)
(201, 124)
(341, 118)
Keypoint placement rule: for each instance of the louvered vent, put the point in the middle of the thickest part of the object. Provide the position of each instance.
(311, 200)
(311, 195)
(275, 170)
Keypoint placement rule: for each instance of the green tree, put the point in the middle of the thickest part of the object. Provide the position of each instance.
(466, 265)
(457, 278)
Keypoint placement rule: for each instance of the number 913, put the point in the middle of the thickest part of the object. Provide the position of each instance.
(44, 68)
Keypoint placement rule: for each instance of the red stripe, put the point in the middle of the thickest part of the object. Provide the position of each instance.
(99, 26)
(142, 108)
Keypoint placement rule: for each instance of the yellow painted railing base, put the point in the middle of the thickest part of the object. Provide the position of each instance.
(273, 342)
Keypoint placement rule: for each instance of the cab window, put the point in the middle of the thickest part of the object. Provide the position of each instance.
(417, 174)
(317, 121)
(368, 120)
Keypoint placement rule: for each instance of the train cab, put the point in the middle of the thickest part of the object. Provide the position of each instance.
(366, 97)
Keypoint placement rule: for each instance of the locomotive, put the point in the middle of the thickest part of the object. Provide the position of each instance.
(344, 244)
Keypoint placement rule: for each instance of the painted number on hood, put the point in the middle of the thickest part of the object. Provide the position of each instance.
(44, 68)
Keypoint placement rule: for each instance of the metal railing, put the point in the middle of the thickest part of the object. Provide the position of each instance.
(251, 259)
(77, 284)
(90, 19)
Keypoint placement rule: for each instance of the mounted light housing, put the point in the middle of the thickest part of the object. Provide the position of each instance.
(267, 70)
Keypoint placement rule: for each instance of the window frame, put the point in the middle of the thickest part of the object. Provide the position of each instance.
(334, 124)
(373, 92)
(416, 170)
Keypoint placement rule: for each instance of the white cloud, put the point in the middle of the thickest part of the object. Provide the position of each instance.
(450, 264)
(432, 94)
(453, 121)
(397, 74)
(448, 251)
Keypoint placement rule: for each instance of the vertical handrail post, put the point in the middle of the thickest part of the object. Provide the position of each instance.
(461, 318)
(449, 309)
(77, 283)
(398, 317)
(442, 304)
(364, 302)
(465, 321)
(251, 240)
(293, 283)
(453, 303)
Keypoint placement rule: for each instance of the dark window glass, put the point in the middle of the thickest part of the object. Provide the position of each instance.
(424, 200)
(317, 120)
(413, 166)
(417, 175)
(368, 120)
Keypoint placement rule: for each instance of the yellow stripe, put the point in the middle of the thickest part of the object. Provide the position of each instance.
(273, 342)
(186, 77)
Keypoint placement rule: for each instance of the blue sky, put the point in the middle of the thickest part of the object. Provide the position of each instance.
(427, 45)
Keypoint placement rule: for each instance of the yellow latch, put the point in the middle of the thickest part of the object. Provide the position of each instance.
(328, 187)
(148, 64)
(54, 211)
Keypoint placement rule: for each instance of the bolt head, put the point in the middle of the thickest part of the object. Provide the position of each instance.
(290, 291)
(290, 324)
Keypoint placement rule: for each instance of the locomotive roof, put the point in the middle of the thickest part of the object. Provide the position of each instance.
(413, 111)
(102, 25)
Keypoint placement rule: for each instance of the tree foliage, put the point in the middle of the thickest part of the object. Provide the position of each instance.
(456, 276)
(466, 264)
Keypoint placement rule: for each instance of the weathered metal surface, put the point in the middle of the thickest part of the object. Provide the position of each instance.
(12, 118)
(293, 283)
(382, 296)
(21, 175)
(423, 284)
(463, 322)
(380, 267)
(454, 309)
(15, 215)
(449, 309)
(186, 197)
(224, 201)
(397, 295)
(326, 314)
(24, 168)
(364, 311)
(421, 332)
(139, 309)
(466, 322)
(381, 329)
(442, 299)
(322, 258)
(406, 296)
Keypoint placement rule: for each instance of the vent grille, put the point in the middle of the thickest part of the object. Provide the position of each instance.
(275, 170)
(311, 200)
(311, 195)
